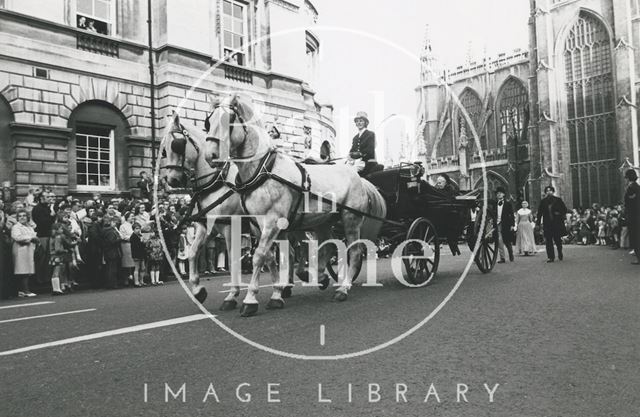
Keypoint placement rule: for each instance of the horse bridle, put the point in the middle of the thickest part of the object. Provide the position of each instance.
(179, 146)
(232, 121)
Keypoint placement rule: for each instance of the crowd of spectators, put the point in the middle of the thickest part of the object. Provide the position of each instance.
(67, 242)
(598, 225)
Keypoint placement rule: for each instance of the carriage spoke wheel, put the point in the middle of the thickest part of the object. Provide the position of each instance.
(421, 269)
(488, 250)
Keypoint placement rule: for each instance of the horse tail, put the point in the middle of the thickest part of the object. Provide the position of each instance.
(377, 207)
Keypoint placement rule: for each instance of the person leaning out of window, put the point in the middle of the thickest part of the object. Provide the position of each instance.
(24, 245)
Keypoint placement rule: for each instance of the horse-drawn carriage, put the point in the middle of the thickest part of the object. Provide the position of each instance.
(394, 203)
(418, 211)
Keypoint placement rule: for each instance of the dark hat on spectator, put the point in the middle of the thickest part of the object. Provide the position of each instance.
(549, 187)
(631, 175)
(501, 190)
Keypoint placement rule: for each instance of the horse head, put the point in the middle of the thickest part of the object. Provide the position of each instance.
(180, 150)
(233, 133)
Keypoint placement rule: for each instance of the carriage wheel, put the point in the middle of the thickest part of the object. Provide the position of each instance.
(488, 251)
(421, 270)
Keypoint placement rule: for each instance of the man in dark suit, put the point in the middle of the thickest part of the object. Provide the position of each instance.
(363, 145)
(552, 212)
(504, 219)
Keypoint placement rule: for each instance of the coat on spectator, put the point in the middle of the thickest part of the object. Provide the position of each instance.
(632, 214)
(23, 249)
(110, 243)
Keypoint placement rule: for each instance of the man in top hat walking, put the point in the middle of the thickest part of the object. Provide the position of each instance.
(363, 145)
(505, 221)
(552, 212)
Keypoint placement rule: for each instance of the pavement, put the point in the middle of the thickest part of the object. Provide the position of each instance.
(528, 339)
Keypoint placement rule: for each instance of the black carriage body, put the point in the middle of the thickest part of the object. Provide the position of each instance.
(409, 197)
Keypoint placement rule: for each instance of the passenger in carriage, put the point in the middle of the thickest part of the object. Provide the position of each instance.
(446, 185)
(363, 145)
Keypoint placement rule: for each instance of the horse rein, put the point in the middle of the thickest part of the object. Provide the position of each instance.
(178, 145)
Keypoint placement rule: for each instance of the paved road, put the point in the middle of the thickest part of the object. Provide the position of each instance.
(559, 339)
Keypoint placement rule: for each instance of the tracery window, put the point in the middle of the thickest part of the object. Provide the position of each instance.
(591, 113)
(513, 106)
(472, 104)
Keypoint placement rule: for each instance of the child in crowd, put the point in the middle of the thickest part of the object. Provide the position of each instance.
(155, 255)
(184, 246)
(601, 233)
(138, 254)
(60, 256)
(31, 200)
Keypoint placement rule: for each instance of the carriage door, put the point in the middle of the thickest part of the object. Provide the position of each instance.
(591, 113)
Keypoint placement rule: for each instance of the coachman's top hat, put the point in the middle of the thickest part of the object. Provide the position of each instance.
(362, 115)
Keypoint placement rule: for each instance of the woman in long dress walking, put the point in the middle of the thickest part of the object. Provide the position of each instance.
(525, 242)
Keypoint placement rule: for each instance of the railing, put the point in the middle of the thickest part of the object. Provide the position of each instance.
(238, 74)
(97, 44)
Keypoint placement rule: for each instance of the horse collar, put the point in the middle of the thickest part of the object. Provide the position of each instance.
(260, 175)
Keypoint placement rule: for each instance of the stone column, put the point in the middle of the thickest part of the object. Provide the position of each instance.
(548, 104)
(625, 67)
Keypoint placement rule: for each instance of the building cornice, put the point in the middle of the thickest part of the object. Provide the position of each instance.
(49, 25)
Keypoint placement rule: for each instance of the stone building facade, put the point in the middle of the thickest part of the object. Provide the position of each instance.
(563, 113)
(75, 96)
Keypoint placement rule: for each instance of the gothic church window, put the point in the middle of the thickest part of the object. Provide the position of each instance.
(591, 112)
(473, 106)
(513, 109)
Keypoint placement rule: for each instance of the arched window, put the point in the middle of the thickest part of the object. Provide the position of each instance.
(591, 112)
(473, 105)
(513, 106)
(98, 154)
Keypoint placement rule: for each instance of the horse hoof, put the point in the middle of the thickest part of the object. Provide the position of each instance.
(340, 296)
(303, 276)
(286, 292)
(275, 304)
(201, 295)
(324, 284)
(228, 305)
(248, 310)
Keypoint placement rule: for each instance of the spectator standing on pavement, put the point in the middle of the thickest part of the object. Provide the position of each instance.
(551, 213)
(93, 256)
(44, 216)
(60, 256)
(5, 284)
(138, 253)
(155, 255)
(111, 251)
(24, 244)
(127, 263)
(632, 211)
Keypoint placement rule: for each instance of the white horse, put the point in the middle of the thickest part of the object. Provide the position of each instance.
(235, 135)
(182, 152)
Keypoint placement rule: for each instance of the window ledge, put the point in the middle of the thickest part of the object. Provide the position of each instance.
(71, 30)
